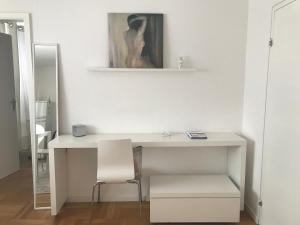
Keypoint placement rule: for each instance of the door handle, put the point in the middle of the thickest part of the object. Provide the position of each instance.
(13, 103)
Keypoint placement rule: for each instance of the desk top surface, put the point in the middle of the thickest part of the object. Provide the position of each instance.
(149, 140)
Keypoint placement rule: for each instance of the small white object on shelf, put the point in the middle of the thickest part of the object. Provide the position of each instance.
(106, 69)
(180, 61)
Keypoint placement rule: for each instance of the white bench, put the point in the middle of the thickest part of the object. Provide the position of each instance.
(193, 198)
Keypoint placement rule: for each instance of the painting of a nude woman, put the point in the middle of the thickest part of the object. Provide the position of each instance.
(135, 40)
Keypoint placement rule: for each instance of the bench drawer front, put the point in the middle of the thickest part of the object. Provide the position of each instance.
(164, 210)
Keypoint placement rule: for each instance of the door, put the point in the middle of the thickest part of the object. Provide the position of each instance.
(281, 157)
(9, 159)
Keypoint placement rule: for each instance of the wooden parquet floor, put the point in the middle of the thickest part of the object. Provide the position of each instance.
(43, 200)
(16, 208)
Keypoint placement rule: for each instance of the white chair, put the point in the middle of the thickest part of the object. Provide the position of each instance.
(116, 165)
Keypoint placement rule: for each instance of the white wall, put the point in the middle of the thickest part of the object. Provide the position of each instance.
(212, 33)
(259, 25)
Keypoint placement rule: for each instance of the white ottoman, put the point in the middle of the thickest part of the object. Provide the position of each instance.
(193, 198)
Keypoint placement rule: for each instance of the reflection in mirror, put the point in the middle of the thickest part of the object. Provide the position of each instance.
(45, 75)
(15, 77)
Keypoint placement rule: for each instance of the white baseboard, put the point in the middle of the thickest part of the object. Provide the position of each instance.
(252, 214)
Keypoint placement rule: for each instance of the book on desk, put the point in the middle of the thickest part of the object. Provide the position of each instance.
(196, 135)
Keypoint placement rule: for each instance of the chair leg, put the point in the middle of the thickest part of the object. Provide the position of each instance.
(93, 193)
(139, 183)
(99, 192)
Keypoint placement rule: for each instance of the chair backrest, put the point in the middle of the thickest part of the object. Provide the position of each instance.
(39, 129)
(115, 161)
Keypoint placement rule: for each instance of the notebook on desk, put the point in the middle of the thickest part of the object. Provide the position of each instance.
(196, 135)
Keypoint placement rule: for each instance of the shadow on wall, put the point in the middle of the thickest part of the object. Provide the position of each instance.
(251, 196)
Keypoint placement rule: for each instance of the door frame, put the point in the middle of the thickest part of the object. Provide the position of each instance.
(275, 8)
(26, 18)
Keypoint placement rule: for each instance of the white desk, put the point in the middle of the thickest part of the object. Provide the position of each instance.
(236, 156)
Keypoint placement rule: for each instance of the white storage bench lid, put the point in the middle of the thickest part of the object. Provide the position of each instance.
(191, 186)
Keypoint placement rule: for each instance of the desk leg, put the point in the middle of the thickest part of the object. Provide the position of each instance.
(237, 168)
(58, 179)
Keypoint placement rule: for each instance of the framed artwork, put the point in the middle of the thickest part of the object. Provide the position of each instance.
(135, 40)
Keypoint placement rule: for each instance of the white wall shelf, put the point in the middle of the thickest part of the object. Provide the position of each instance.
(105, 69)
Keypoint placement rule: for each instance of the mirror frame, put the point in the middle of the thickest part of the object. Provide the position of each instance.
(26, 18)
(57, 116)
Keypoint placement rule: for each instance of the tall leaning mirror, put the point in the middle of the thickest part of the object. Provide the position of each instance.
(46, 116)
